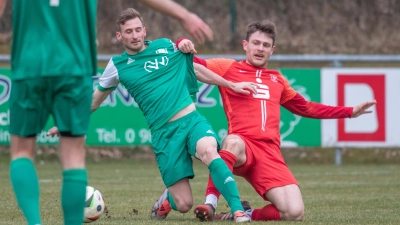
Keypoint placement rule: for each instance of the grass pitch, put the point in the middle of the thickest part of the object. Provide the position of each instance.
(348, 194)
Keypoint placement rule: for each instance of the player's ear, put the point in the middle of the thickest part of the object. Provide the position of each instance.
(144, 31)
(273, 49)
(118, 36)
(244, 43)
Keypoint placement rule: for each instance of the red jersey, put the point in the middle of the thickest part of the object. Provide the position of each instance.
(257, 116)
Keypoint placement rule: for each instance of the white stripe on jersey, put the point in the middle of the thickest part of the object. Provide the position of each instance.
(263, 114)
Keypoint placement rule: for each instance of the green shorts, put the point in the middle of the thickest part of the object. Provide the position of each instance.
(175, 144)
(67, 99)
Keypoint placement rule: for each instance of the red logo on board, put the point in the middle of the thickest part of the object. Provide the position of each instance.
(377, 84)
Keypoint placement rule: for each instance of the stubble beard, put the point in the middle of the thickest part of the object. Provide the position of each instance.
(134, 49)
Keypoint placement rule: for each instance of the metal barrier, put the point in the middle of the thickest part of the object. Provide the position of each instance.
(335, 60)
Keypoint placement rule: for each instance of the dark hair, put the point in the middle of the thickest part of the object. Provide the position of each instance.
(264, 26)
(127, 14)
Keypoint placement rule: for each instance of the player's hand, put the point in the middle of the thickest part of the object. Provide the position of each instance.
(197, 28)
(362, 108)
(53, 132)
(245, 88)
(187, 46)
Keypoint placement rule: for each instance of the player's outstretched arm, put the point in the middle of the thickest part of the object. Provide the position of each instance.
(207, 76)
(299, 106)
(189, 21)
(362, 108)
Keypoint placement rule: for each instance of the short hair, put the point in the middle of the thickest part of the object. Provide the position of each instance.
(127, 14)
(264, 26)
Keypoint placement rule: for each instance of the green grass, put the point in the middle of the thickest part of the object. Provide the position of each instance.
(348, 194)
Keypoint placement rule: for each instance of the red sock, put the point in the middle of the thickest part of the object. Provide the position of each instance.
(230, 160)
(269, 212)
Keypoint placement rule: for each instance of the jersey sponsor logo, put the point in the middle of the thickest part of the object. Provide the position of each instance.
(162, 51)
(151, 66)
(242, 71)
(274, 78)
(130, 61)
(262, 91)
(228, 179)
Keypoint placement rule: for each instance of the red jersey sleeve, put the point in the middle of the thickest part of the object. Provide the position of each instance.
(298, 105)
(200, 61)
(288, 92)
(219, 66)
(179, 41)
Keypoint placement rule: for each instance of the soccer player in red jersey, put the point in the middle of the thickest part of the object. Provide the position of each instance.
(252, 147)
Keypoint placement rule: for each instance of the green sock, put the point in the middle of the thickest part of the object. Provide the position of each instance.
(171, 202)
(225, 183)
(25, 183)
(73, 195)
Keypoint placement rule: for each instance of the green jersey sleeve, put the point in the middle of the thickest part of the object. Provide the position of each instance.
(109, 80)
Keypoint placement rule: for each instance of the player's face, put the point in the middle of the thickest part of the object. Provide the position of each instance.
(258, 49)
(132, 36)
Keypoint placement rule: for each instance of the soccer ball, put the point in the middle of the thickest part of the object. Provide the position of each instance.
(94, 205)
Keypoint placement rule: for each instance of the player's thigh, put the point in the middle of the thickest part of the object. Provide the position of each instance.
(28, 108)
(201, 135)
(71, 104)
(286, 198)
(265, 167)
(170, 148)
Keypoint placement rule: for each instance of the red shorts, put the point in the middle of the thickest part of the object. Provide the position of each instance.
(265, 167)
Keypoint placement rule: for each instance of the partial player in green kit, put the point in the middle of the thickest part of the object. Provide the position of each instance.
(53, 59)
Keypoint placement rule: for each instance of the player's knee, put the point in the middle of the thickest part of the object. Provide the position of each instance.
(184, 205)
(233, 144)
(208, 154)
(295, 214)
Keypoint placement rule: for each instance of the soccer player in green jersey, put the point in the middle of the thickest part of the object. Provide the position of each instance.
(53, 60)
(162, 81)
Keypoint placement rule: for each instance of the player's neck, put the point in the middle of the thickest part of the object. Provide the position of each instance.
(131, 52)
(261, 67)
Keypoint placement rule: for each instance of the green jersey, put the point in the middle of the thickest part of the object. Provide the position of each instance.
(160, 78)
(53, 38)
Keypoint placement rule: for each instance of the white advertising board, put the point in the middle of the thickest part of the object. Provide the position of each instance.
(352, 86)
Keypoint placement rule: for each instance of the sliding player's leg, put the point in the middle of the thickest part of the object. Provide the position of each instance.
(273, 181)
